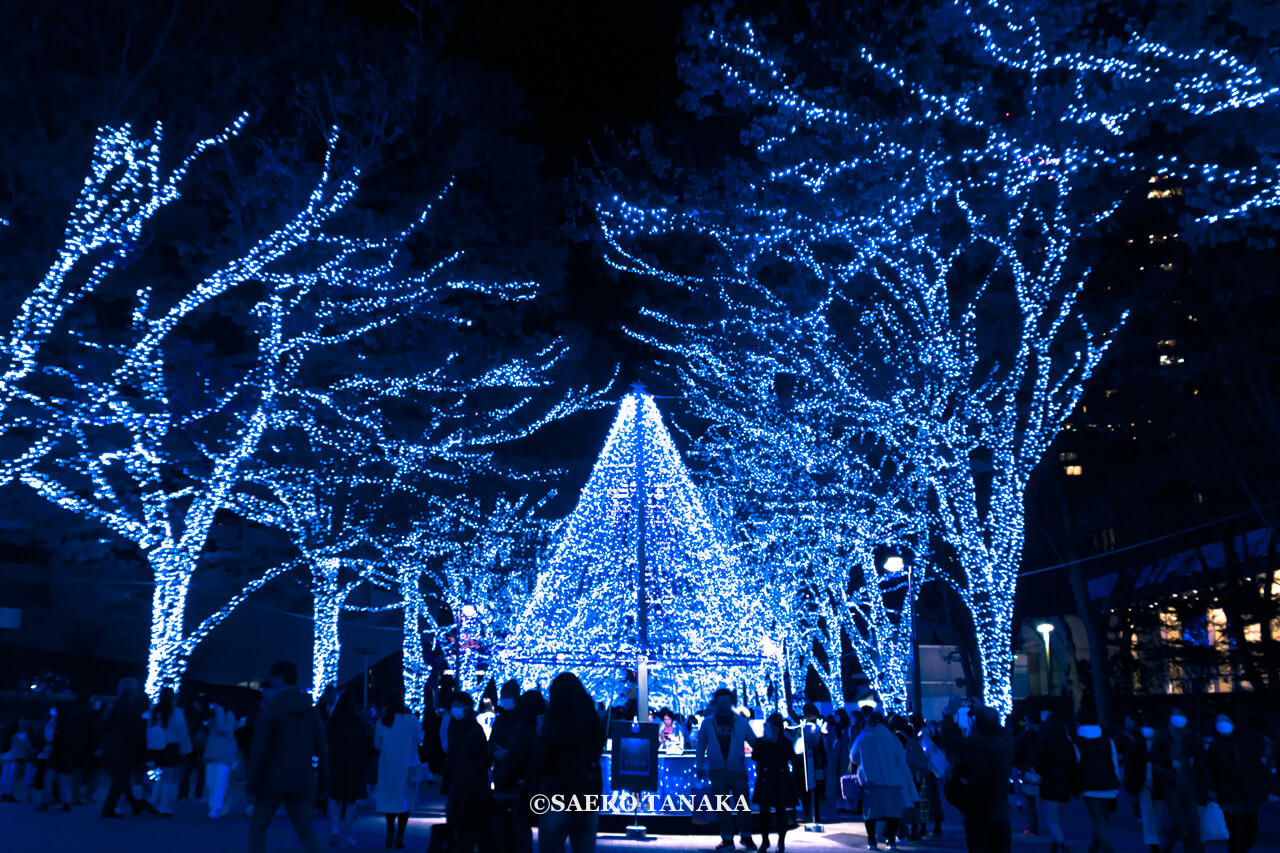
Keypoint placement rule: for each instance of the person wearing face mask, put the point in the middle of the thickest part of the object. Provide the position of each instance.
(1178, 783)
(1240, 778)
(500, 741)
(468, 768)
(1137, 781)
(1098, 776)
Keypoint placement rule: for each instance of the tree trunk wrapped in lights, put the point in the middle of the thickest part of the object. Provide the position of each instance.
(147, 427)
(906, 222)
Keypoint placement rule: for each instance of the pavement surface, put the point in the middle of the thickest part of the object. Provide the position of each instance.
(25, 830)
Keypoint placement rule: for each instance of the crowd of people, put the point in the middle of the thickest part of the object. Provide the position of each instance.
(331, 758)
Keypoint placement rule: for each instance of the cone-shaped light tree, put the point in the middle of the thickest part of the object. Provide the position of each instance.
(641, 570)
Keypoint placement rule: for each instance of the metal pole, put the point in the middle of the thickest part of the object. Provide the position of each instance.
(642, 571)
(1048, 665)
(916, 706)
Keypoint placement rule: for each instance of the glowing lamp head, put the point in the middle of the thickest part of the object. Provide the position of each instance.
(894, 564)
(469, 611)
(1045, 628)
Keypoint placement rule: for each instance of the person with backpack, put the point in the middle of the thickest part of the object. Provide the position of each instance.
(1098, 777)
(978, 785)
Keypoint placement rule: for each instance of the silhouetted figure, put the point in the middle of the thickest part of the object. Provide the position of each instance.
(288, 763)
(1055, 763)
(776, 791)
(721, 755)
(1237, 767)
(124, 741)
(348, 749)
(467, 766)
(1098, 777)
(567, 761)
(990, 747)
(513, 782)
(168, 745)
(1179, 783)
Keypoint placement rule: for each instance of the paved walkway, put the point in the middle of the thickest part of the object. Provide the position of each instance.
(24, 830)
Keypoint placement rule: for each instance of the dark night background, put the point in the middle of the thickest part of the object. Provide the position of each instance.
(1177, 443)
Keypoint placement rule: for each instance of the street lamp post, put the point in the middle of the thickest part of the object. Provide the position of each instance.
(1045, 630)
(896, 564)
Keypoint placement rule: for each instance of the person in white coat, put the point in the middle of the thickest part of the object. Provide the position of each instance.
(398, 736)
(885, 777)
(219, 756)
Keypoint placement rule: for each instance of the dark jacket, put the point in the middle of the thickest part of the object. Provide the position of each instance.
(569, 763)
(1024, 749)
(348, 743)
(1134, 769)
(1166, 748)
(288, 735)
(1097, 768)
(467, 765)
(1055, 761)
(502, 736)
(515, 772)
(994, 750)
(1237, 768)
(775, 777)
(124, 733)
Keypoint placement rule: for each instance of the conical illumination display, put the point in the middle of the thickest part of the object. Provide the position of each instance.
(639, 570)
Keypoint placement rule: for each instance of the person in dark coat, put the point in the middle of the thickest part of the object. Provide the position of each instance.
(1024, 754)
(348, 743)
(513, 782)
(991, 746)
(1179, 783)
(1236, 762)
(566, 759)
(1055, 763)
(504, 725)
(776, 792)
(467, 767)
(288, 763)
(1097, 777)
(124, 743)
(78, 741)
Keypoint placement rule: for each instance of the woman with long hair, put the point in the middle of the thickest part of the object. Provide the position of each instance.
(168, 743)
(776, 790)
(567, 759)
(348, 746)
(397, 739)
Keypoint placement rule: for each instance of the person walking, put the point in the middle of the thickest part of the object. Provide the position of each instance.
(815, 761)
(1024, 754)
(1136, 778)
(168, 744)
(989, 747)
(1236, 763)
(123, 745)
(721, 755)
(513, 782)
(1055, 763)
(837, 745)
(885, 777)
(1098, 777)
(348, 747)
(566, 761)
(14, 754)
(288, 761)
(776, 792)
(396, 739)
(219, 757)
(1179, 783)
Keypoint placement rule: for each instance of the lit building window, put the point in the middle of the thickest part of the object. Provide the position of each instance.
(1167, 360)
(1161, 238)
(1167, 342)
(1170, 192)
(1073, 470)
(1067, 456)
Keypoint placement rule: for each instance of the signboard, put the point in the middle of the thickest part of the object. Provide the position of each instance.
(634, 757)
